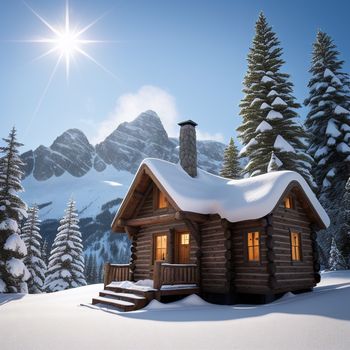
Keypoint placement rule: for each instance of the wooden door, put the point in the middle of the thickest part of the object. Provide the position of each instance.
(182, 247)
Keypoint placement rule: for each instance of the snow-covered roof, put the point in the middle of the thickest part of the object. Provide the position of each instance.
(234, 200)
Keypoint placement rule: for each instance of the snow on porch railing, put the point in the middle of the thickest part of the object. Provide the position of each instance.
(170, 274)
(116, 272)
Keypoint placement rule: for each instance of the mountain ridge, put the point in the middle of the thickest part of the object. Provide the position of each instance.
(124, 149)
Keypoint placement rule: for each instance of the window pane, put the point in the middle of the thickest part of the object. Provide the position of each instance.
(250, 253)
(162, 201)
(288, 202)
(253, 246)
(185, 238)
(161, 247)
(295, 245)
(250, 239)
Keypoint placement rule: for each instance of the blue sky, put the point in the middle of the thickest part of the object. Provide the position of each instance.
(185, 59)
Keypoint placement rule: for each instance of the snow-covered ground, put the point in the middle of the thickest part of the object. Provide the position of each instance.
(317, 320)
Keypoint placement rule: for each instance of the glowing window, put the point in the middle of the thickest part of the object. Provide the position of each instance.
(253, 246)
(160, 247)
(288, 203)
(295, 245)
(162, 201)
(185, 238)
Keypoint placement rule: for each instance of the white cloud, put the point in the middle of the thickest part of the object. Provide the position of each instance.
(203, 135)
(130, 105)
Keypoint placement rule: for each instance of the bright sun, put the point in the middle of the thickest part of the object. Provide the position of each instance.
(67, 42)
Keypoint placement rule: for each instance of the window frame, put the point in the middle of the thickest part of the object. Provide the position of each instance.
(177, 247)
(291, 200)
(296, 261)
(246, 247)
(156, 194)
(155, 235)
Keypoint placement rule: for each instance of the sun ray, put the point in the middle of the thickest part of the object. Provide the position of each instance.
(67, 42)
(54, 30)
(41, 99)
(46, 53)
(82, 31)
(84, 53)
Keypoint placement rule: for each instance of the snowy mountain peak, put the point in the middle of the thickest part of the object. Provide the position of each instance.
(124, 149)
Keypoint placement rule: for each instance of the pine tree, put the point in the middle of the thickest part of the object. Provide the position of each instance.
(13, 273)
(88, 265)
(44, 249)
(66, 261)
(328, 121)
(33, 261)
(328, 124)
(231, 168)
(274, 163)
(268, 110)
(94, 272)
(336, 261)
(343, 237)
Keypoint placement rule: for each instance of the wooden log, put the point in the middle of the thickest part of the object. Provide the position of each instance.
(198, 254)
(272, 282)
(157, 274)
(157, 219)
(228, 234)
(271, 257)
(131, 231)
(270, 242)
(187, 215)
(228, 244)
(271, 268)
(269, 219)
(106, 274)
(269, 230)
(317, 277)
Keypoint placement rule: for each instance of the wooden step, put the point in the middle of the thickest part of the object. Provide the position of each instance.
(122, 295)
(149, 295)
(119, 304)
(139, 300)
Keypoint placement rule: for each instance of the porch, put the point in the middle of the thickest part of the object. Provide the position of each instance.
(122, 292)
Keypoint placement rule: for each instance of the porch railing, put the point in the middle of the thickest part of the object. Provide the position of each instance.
(116, 272)
(171, 274)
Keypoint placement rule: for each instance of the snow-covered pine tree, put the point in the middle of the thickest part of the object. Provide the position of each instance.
(328, 121)
(13, 272)
(336, 261)
(268, 110)
(274, 163)
(33, 261)
(88, 264)
(231, 168)
(66, 261)
(328, 124)
(344, 227)
(94, 270)
(44, 254)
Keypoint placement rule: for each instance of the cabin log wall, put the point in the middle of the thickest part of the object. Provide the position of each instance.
(293, 275)
(250, 277)
(144, 250)
(213, 258)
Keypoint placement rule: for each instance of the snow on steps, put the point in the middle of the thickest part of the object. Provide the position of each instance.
(119, 304)
(124, 299)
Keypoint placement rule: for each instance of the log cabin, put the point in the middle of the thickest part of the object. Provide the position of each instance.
(195, 232)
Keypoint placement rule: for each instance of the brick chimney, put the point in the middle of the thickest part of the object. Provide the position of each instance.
(188, 147)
